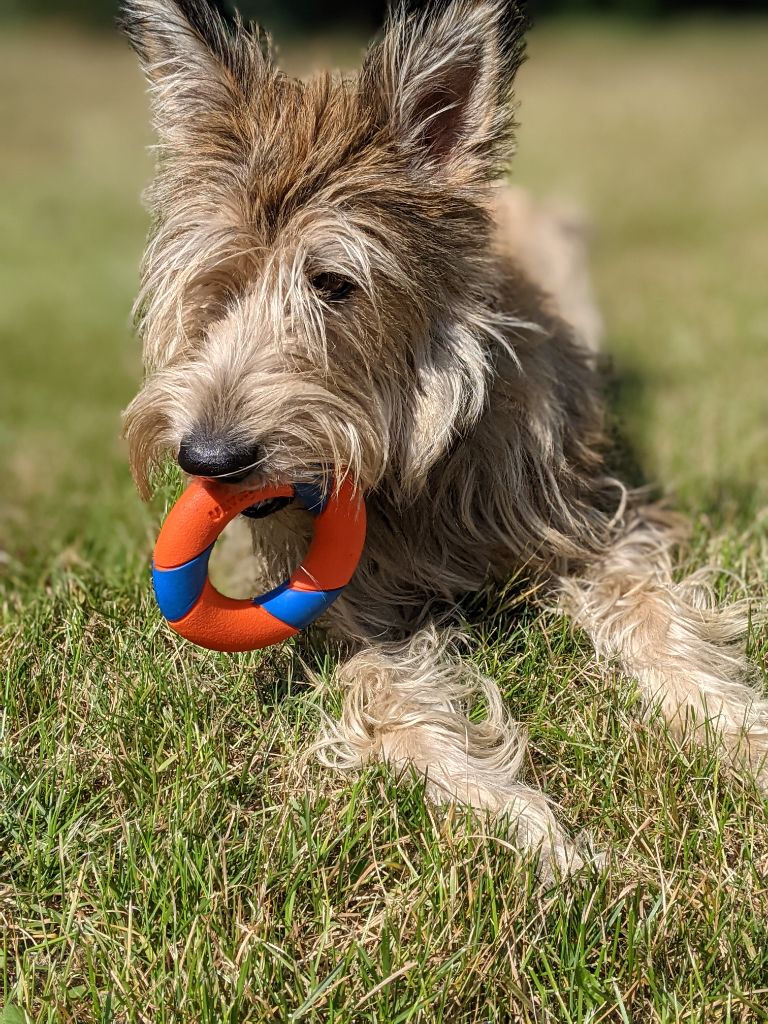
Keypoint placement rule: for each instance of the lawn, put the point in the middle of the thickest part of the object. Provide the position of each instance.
(166, 855)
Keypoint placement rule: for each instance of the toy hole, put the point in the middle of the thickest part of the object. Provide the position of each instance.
(233, 568)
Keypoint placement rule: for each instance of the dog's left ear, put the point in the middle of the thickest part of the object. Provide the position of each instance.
(445, 78)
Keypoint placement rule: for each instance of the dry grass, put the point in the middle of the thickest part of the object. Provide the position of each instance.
(164, 855)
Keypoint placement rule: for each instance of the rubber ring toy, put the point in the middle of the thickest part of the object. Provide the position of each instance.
(198, 612)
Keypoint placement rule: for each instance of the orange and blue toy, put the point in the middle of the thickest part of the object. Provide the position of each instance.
(198, 612)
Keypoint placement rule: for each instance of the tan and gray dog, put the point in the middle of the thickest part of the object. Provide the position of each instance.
(337, 279)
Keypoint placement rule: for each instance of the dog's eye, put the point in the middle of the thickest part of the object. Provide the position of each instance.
(331, 287)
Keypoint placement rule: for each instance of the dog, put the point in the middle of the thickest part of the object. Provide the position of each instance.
(338, 282)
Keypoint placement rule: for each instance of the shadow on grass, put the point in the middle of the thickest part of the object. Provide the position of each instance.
(726, 501)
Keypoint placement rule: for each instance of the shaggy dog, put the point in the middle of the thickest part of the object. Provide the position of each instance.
(337, 283)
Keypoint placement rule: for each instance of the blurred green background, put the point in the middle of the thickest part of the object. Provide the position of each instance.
(308, 15)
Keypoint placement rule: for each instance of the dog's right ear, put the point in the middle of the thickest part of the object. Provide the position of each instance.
(198, 61)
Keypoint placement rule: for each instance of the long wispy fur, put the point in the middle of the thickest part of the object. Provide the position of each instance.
(446, 379)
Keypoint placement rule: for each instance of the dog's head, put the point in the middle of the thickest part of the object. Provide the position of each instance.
(314, 288)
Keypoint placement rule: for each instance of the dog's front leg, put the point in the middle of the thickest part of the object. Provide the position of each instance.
(407, 704)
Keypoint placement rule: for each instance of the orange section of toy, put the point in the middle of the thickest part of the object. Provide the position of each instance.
(199, 516)
(336, 545)
(224, 624)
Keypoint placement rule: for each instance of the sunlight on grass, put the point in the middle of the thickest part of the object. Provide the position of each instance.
(166, 853)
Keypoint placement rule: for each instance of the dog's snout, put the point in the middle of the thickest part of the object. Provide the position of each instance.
(206, 455)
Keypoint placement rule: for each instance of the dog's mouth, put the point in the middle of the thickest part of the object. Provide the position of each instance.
(262, 509)
(309, 495)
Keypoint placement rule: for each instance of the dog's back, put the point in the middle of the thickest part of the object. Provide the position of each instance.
(549, 241)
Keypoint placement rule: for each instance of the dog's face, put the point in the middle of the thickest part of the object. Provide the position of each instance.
(313, 288)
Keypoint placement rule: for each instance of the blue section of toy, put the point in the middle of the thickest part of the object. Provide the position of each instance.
(297, 608)
(177, 590)
(312, 496)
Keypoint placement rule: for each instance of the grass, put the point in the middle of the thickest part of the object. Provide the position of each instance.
(165, 853)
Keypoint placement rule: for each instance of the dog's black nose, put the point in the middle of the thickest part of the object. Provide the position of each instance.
(210, 456)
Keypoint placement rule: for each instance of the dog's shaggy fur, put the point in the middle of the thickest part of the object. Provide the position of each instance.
(335, 275)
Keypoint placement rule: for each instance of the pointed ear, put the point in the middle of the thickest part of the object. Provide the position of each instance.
(198, 61)
(446, 80)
